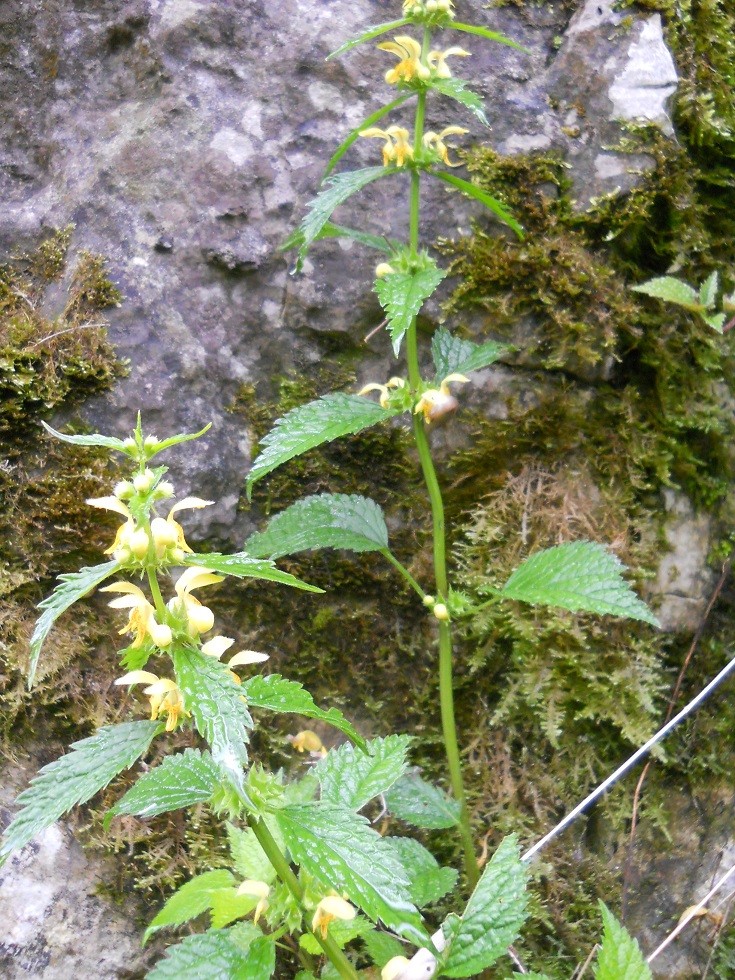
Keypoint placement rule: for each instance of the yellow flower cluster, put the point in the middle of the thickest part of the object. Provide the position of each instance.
(411, 65)
(396, 149)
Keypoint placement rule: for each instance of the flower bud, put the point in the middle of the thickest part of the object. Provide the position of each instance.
(143, 481)
(124, 490)
(384, 269)
(201, 618)
(441, 612)
(150, 441)
(139, 542)
(164, 490)
(178, 555)
(160, 634)
(122, 555)
(164, 533)
(429, 601)
(431, 6)
(129, 443)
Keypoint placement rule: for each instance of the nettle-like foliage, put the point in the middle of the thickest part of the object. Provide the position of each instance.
(309, 873)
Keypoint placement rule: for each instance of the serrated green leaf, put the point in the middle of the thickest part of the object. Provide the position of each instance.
(489, 35)
(242, 565)
(620, 956)
(217, 707)
(353, 777)
(337, 190)
(419, 803)
(368, 35)
(354, 135)
(578, 575)
(226, 906)
(708, 290)
(275, 693)
(491, 203)
(340, 849)
(382, 947)
(672, 290)
(327, 520)
(190, 901)
(457, 89)
(715, 320)
(75, 778)
(312, 424)
(93, 439)
(176, 440)
(402, 294)
(179, 781)
(428, 881)
(216, 956)
(452, 355)
(71, 588)
(331, 230)
(248, 857)
(341, 931)
(493, 916)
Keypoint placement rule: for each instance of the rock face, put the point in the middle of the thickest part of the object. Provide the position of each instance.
(183, 139)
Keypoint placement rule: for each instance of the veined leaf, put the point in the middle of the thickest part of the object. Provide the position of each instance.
(312, 424)
(71, 587)
(330, 230)
(179, 781)
(673, 291)
(248, 857)
(351, 778)
(457, 89)
(493, 916)
(243, 565)
(275, 693)
(337, 190)
(216, 705)
(341, 931)
(226, 906)
(354, 135)
(382, 947)
(340, 849)
(191, 900)
(368, 35)
(327, 520)
(93, 439)
(428, 881)
(491, 203)
(75, 778)
(419, 803)
(708, 290)
(402, 294)
(217, 955)
(490, 35)
(579, 575)
(620, 956)
(452, 355)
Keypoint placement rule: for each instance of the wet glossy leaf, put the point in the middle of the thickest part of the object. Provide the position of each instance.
(313, 424)
(92, 439)
(368, 35)
(352, 777)
(620, 956)
(708, 291)
(243, 565)
(330, 230)
(429, 882)
(452, 354)
(275, 693)
(248, 857)
(341, 850)
(75, 778)
(179, 781)
(672, 290)
(191, 900)
(402, 295)
(419, 803)
(493, 916)
(579, 575)
(327, 520)
(70, 589)
(217, 955)
(457, 89)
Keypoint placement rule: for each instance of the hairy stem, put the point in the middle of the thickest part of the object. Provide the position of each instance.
(283, 869)
(446, 687)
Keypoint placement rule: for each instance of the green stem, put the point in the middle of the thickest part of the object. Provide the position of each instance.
(446, 687)
(156, 593)
(403, 571)
(283, 869)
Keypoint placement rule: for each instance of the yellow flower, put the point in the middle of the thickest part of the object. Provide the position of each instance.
(220, 644)
(330, 908)
(436, 402)
(396, 148)
(169, 533)
(120, 547)
(164, 695)
(409, 66)
(383, 389)
(259, 890)
(393, 968)
(438, 60)
(199, 618)
(142, 620)
(435, 141)
(308, 741)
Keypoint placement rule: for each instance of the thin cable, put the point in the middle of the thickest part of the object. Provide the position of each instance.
(629, 763)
